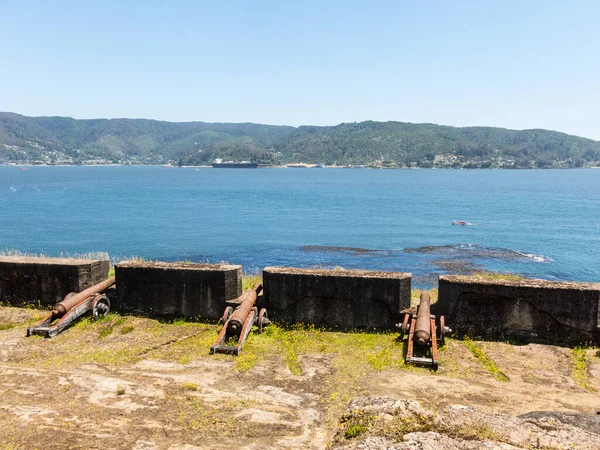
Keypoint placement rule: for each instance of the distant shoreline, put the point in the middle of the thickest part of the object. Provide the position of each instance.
(390, 144)
(288, 167)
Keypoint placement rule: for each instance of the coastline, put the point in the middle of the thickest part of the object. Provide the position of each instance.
(284, 166)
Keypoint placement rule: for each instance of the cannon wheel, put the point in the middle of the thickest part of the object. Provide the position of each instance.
(262, 315)
(226, 314)
(442, 331)
(100, 306)
(404, 326)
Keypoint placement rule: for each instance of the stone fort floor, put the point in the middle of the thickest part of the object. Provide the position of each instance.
(136, 383)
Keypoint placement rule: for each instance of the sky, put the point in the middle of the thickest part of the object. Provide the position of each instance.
(513, 64)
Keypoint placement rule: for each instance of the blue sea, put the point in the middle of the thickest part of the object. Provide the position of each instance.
(538, 223)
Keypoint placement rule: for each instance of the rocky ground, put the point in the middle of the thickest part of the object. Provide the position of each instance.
(135, 383)
(388, 423)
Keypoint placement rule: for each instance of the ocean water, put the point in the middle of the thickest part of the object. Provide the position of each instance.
(539, 223)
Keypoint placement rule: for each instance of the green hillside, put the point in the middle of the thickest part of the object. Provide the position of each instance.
(379, 144)
(57, 139)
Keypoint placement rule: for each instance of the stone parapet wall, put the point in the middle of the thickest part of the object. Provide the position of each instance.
(341, 299)
(177, 289)
(531, 310)
(27, 280)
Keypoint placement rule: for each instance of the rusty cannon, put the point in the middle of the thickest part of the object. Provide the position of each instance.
(423, 334)
(238, 323)
(74, 306)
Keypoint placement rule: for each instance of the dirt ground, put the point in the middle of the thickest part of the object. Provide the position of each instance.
(135, 383)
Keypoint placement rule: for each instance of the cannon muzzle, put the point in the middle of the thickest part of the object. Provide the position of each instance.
(238, 317)
(423, 326)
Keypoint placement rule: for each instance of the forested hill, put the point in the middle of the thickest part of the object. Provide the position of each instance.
(127, 140)
(56, 140)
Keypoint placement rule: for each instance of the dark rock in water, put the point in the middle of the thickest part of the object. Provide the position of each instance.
(473, 251)
(336, 249)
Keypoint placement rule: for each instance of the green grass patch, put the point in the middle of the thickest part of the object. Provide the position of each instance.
(112, 321)
(485, 360)
(355, 424)
(32, 320)
(105, 331)
(245, 361)
(477, 431)
(196, 344)
(189, 386)
(380, 360)
(580, 368)
(249, 280)
(153, 339)
(88, 321)
(204, 419)
(179, 321)
(291, 359)
(398, 426)
(127, 329)
(122, 354)
(355, 430)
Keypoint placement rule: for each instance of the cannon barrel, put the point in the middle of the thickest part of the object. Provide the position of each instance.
(61, 308)
(238, 317)
(423, 326)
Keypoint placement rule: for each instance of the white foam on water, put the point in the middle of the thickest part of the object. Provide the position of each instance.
(535, 258)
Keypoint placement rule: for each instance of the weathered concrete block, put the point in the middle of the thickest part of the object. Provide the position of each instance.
(177, 289)
(531, 310)
(35, 280)
(336, 298)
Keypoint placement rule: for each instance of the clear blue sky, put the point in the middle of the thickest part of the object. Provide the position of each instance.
(514, 64)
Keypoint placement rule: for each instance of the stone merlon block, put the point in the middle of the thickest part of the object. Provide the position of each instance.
(536, 310)
(177, 289)
(342, 299)
(45, 281)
